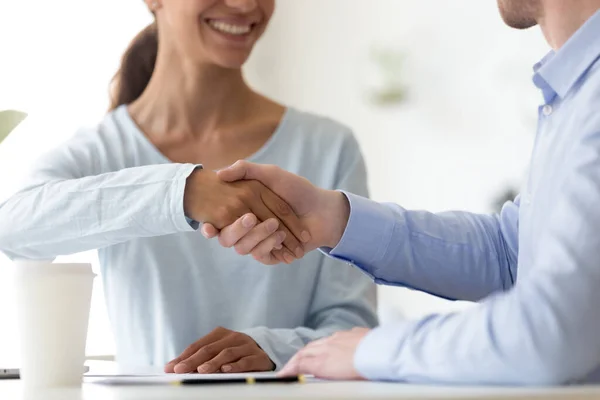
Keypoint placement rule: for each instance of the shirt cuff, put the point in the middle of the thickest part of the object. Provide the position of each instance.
(180, 220)
(259, 335)
(375, 357)
(367, 236)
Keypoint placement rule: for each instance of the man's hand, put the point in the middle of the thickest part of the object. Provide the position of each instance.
(323, 212)
(211, 200)
(328, 358)
(222, 350)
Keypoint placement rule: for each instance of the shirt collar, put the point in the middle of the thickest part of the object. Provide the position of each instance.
(560, 71)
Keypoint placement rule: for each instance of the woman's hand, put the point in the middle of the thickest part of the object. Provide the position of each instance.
(222, 350)
(209, 199)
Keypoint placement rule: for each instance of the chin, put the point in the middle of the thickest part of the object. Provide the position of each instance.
(230, 62)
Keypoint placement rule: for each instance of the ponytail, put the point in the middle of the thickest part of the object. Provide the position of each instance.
(137, 65)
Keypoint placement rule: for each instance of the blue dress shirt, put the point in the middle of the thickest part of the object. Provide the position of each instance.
(534, 269)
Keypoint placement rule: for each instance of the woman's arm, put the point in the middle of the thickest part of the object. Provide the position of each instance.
(76, 201)
(65, 216)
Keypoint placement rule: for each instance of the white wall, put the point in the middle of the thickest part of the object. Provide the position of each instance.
(56, 59)
(467, 129)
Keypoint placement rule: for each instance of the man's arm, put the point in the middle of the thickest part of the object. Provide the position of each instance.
(455, 255)
(541, 332)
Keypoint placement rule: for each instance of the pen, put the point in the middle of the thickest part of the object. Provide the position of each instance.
(247, 380)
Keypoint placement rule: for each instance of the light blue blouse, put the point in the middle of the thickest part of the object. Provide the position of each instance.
(109, 188)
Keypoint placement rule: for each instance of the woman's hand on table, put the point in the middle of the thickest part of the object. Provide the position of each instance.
(222, 351)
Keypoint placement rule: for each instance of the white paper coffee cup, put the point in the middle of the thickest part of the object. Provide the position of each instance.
(53, 308)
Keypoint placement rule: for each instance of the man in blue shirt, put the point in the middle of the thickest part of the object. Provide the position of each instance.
(534, 269)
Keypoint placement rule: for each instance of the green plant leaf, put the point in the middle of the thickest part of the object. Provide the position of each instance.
(9, 119)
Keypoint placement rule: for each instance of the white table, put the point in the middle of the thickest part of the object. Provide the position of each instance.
(12, 389)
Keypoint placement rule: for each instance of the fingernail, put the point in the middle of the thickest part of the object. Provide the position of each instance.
(279, 247)
(281, 236)
(181, 367)
(299, 252)
(289, 258)
(272, 225)
(203, 368)
(305, 236)
(226, 368)
(248, 221)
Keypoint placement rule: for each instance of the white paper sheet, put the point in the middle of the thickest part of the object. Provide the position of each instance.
(177, 377)
(145, 379)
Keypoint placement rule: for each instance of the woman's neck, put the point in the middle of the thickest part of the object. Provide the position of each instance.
(192, 99)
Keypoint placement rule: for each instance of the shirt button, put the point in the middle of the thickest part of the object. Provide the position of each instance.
(547, 110)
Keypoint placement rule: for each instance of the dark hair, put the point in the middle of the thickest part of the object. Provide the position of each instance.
(137, 65)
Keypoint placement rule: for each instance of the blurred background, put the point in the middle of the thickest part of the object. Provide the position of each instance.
(438, 93)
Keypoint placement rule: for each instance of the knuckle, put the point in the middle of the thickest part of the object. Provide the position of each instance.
(283, 208)
(235, 336)
(268, 225)
(243, 365)
(245, 195)
(228, 353)
(222, 215)
(235, 204)
(191, 347)
(224, 241)
(241, 249)
(248, 342)
(261, 258)
(220, 329)
(263, 249)
(258, 255)
(248, 191)
(206, 351)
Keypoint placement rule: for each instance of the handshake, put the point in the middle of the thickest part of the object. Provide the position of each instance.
(264, 211)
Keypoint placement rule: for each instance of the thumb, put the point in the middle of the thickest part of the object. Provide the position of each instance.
(244, 170)
(236, 172)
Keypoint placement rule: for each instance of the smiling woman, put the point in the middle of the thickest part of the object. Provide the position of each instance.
(131, 188)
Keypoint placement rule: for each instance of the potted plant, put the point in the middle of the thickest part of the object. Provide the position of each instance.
(9, 119)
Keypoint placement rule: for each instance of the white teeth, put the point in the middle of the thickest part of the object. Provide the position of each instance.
(230, 29)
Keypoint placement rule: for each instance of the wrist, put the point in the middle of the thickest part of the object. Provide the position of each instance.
(338, 212)
(192, 193)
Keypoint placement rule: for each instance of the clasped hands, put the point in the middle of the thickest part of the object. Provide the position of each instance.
(264, 211)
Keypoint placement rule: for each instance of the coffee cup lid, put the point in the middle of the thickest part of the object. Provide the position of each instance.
(36, 267)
